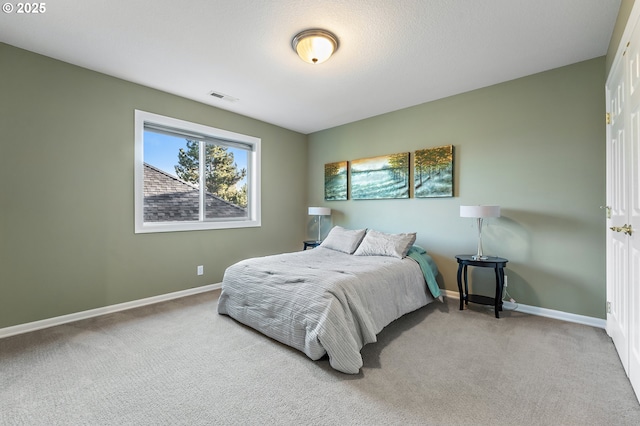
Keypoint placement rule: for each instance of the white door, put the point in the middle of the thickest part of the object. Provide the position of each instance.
(623, 199)
(633, 216)
(617, 242)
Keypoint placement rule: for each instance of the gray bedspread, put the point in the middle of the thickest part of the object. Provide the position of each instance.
(323, 301)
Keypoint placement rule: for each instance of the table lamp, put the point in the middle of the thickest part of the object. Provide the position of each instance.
(480, 212)
(319, 212)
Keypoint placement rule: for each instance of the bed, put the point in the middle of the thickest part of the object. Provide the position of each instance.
(335, 298)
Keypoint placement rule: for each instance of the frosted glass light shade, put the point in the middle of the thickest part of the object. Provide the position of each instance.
(319, 211)
(479, 211)
(315, 46)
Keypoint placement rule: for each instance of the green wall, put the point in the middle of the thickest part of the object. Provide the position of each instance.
(67, 241)
(535, 146)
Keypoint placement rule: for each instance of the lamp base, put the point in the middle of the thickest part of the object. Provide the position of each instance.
(479, 257)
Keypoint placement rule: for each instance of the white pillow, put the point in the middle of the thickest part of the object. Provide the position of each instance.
(380, 244)
(344, 240)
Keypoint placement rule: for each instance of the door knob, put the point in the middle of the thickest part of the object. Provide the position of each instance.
(626, 229)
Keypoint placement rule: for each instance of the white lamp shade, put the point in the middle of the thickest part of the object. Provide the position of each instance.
(319, 211)
(479, 211)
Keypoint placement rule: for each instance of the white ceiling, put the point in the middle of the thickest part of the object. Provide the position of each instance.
(393, 53)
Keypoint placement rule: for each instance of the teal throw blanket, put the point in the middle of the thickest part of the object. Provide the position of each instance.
(428, 267)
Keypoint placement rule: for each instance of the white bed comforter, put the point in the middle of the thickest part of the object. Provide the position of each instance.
(323, 301)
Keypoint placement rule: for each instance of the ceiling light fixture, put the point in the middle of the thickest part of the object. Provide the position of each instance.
(315, 46)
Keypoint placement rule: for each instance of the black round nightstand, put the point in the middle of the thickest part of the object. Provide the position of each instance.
(497, 263)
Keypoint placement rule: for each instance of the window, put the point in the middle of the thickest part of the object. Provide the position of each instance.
(193, 177)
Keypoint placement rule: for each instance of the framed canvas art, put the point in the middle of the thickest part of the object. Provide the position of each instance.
(386, 176)
(335, 181)
(433, 172)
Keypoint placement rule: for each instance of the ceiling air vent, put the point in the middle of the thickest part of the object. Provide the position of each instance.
(223, 96)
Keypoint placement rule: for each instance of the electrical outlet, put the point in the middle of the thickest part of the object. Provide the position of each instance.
(200, 269)
(505, 280)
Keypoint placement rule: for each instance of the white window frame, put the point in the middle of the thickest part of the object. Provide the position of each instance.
(253, 175)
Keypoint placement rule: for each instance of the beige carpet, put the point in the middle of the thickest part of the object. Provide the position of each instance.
(180, 363)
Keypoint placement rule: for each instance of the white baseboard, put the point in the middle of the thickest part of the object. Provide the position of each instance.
(50, 322)
(64, 319)
(544, 312)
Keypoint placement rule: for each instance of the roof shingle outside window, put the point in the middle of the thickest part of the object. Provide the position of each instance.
(167, 199)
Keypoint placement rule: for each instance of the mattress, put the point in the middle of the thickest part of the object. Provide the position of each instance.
(323, 301)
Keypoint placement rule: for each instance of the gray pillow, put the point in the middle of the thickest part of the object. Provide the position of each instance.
(344, 240)
(380, 244)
